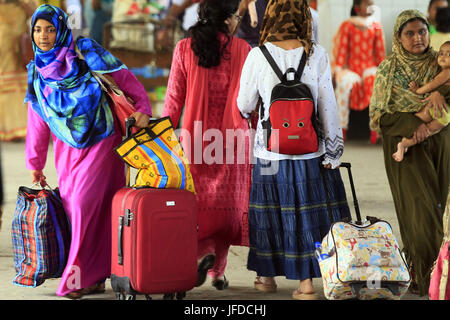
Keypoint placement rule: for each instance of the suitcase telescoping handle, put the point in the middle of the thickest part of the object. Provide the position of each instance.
(129, 124)
(352, 185)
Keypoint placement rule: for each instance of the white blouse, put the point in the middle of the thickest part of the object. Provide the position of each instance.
(258, 79)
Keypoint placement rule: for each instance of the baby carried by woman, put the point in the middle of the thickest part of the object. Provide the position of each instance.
(435, 121)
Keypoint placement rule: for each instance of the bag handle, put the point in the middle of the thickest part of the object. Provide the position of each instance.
(37, 184)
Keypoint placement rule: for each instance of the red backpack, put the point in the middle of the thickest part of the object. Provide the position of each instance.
(291, 112)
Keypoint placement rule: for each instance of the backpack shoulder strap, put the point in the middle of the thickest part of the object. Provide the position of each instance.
(272, 62)
(302, 64)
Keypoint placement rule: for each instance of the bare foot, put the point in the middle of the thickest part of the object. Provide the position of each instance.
(306, 286)
(401, 150)
(265, 284)
(305, 291)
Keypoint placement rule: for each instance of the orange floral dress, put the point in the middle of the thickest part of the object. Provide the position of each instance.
(358, 49)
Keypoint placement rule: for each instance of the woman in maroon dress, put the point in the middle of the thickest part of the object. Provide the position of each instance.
(204, 78)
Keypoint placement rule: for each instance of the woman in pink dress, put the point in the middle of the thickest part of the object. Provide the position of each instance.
(66, 103)
(358, 49)
(204, 78)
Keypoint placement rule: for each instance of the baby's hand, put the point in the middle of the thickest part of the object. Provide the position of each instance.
(413, 86)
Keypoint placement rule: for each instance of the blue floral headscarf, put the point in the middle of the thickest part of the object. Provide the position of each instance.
(62, 90)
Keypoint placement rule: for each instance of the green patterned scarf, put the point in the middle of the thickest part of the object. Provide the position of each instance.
(391, 88)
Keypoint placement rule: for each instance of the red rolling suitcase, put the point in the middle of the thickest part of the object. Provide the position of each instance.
(154, 242)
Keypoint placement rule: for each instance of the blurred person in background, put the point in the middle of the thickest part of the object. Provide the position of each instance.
(1, 193)
(432, 8)
(358, 49)
(75, 13)
(96, 14)
(13, 76)
(246, 31)
(57, 3)
(183, 10)
(187, 9)
(442, 33)
(251, 33)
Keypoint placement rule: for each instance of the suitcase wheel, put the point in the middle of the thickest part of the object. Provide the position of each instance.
(148, 297)
(169, 296)
(181, 295)
(172, 296)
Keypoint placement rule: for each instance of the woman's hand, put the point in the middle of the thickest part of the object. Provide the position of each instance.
(37, 176)
(437, 102)
(142, 119)
(421, 133)
(327, 166)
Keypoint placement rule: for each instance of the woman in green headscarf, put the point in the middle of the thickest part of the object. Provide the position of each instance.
(419, 184)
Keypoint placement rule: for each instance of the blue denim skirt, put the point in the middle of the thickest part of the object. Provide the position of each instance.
(288, 213)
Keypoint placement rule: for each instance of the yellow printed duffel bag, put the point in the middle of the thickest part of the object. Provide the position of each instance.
(157, 153)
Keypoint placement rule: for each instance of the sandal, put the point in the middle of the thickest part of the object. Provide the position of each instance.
(75, 295)
(220, 284)
(95, 288)
(264, 287)
(78, 294)
(413, 288)
(206, 263)
(298, 295)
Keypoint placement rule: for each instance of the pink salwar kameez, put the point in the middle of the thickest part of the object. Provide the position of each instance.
(88, 179)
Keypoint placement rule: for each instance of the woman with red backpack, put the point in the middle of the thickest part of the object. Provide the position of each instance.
(288, 210)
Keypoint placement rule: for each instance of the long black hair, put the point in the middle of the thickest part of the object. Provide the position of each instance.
(211, 21)
(356, 3)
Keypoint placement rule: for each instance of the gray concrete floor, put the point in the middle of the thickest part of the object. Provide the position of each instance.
(371, 186)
